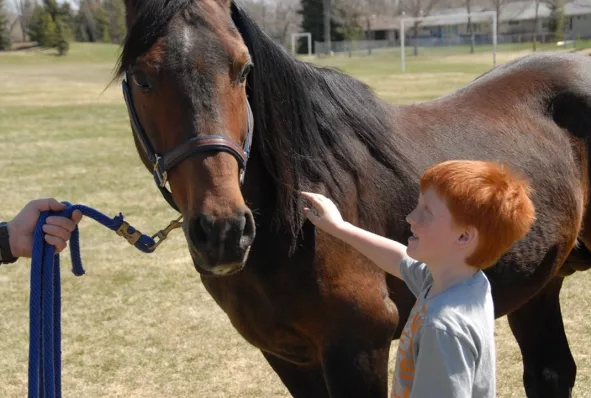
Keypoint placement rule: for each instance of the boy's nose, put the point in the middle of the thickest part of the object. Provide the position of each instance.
(409, 218)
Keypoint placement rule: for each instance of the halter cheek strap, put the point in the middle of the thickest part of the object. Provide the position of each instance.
(162, 164)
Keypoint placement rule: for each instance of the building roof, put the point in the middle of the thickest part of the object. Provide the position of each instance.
(526, 10)
(512, 11)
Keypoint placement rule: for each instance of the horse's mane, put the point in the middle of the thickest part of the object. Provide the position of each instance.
(313, 124)
(314, 127)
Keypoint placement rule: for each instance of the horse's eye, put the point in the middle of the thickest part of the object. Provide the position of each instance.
(141, 80)
(245, 71)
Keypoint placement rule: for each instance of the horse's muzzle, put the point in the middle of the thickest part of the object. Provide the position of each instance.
(220, 245)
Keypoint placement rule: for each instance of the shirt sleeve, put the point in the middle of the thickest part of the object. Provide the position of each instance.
(445, 365)
(413, 274)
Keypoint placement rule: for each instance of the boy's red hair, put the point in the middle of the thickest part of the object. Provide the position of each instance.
(488, 197)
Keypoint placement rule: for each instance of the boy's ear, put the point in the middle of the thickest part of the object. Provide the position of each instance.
(467, 236)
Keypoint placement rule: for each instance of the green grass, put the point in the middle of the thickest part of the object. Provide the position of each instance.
(141, 325)
(79, 53)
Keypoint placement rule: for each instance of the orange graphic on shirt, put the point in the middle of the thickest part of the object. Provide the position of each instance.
(405, 355)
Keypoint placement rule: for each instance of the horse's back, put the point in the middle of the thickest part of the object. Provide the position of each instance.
(517, 115)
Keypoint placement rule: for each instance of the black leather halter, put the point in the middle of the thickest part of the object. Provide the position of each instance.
(162, 164)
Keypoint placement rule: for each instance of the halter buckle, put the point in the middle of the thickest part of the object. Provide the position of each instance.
(160, 174)
(128, 232)
(161, 235)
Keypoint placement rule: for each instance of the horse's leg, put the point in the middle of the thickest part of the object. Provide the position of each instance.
(301, 381)
(549, 369)
(357, 368)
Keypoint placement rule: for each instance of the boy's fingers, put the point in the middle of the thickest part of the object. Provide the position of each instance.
(313, 198)
(310, 214)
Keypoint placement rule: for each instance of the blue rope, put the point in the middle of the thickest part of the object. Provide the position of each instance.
(45, 301)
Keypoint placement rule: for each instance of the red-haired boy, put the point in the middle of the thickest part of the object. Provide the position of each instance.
(468, 214)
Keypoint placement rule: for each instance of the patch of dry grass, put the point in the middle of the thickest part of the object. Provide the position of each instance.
(141, 325)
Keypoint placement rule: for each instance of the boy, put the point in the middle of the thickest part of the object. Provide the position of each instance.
(468, 214)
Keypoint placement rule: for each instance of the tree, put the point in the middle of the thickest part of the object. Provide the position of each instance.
(49, 25)
(348, 14)
(327, 16)
(470, 27)
(417, 8)
(115, 12)
(313, 21)
(498, 6)
(86, 29)
(42, 27)
(556, 20)
(61, 37)
(536, 23)
(102, 24)
(5, 42)
(25, 12)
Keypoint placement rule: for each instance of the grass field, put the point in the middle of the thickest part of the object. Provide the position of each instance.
(143, 326)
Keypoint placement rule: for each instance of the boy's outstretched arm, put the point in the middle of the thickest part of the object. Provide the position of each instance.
(385, 253)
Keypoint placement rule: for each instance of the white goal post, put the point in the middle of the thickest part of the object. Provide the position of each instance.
(473, 17)
(295, 36)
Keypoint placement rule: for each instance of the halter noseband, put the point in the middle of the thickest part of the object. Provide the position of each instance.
(162, 164)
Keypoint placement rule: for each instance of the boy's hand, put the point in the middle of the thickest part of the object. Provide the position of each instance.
(57, 229)
(324, 214)
(385, 253)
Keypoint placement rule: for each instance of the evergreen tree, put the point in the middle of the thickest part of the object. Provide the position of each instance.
(49, 26)
(5, 41)
(42, 28)
(85, 24)
(556, 20)
(102, 24)
(61, 37)
(115, 11)
(312, 12)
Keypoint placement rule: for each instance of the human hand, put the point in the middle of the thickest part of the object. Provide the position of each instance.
(57, 229)
(324, 214)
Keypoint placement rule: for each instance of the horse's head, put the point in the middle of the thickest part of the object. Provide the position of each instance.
(185, 67)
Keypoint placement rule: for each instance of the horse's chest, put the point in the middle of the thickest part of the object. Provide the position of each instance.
(267, 321)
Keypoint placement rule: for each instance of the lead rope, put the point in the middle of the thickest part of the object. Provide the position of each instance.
(45, 301)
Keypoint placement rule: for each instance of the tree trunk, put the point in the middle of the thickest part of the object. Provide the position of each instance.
(535, 38)
(470, 29)
(416, 39)
(369, 36)
(327, 14)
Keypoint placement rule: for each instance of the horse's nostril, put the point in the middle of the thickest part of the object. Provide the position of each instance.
(222, 240)
(206, 230)
(201, 229)
(249, 229)
(206, 225)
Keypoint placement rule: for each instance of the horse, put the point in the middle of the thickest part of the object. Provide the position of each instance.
(233, 128)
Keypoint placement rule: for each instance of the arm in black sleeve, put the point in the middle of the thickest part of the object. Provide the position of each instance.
(6, 256)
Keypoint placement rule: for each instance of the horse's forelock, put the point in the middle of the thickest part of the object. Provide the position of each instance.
(146, 22)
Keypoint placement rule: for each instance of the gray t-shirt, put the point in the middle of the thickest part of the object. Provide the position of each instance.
(447, 347)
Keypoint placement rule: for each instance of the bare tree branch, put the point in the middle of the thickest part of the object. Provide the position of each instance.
(279, 18)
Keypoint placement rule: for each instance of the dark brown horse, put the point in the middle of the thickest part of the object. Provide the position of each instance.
(323, 315)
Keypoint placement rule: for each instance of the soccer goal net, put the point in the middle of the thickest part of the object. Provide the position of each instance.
(294, 42)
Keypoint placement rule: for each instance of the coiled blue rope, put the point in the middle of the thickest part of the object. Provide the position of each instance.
(45, 301)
